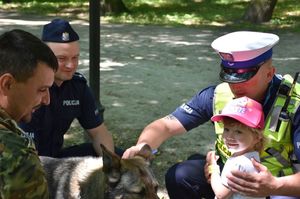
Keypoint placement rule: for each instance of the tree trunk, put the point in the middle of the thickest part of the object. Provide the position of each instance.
(112, 6)
(260, 11)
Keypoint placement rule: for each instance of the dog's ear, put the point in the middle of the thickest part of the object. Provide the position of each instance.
(146, 152)
(111, 165)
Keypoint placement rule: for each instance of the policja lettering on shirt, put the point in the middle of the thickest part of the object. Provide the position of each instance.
(186, 108)
(71, 103)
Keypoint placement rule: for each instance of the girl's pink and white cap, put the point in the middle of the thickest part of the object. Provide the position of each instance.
(244, 110)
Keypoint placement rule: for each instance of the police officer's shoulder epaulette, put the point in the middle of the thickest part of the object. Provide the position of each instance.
(78, 76)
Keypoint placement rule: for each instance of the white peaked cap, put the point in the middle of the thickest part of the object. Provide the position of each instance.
(244, 45)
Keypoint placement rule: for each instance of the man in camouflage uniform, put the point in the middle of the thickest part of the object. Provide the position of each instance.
(27, 68)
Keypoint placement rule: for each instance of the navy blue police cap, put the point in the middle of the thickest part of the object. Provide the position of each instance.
(242, 53)
(59, 31)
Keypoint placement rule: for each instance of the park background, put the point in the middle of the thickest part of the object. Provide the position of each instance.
(157, 55)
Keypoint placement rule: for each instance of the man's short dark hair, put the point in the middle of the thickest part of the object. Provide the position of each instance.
(21, 52)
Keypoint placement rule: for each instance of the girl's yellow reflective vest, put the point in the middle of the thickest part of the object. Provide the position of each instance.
(278, 149)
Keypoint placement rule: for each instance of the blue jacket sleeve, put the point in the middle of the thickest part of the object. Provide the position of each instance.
(198, 110)
(90, 116)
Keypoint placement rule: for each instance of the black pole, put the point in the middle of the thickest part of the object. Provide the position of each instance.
(94, 54)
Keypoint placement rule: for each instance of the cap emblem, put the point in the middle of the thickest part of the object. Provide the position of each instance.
(65, 36)
(240, 106)
(241, 102)
(231, 63)
(227, 56)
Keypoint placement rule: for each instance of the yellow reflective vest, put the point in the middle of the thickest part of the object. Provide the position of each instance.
(278, 149)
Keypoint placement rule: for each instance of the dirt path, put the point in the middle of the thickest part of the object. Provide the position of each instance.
(147, 71)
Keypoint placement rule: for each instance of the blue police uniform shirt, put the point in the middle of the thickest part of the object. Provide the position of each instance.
(73, 99)
(199, 109)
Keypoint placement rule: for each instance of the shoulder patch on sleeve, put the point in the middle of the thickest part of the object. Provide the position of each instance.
(79, 76)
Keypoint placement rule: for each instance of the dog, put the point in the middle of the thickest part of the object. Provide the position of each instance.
(106, 177)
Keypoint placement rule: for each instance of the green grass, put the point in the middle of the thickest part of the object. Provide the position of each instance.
(213, 13)
(188, 13)
(70, 8)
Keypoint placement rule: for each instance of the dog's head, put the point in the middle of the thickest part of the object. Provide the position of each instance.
(129, 178)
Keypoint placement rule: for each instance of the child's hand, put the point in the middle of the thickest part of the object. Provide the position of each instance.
(211, 157)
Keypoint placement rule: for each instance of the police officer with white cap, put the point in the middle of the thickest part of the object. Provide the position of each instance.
(71, 98)
(246, 70)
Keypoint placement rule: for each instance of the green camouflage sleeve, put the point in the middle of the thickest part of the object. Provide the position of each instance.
(21, 173)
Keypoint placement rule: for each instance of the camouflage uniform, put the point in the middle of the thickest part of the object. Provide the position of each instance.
(21, 173)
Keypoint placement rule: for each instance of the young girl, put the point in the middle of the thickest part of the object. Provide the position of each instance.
(243, 121)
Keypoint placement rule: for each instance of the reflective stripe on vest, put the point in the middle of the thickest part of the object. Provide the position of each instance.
(279, 148)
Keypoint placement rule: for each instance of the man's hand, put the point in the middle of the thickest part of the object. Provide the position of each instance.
(132, 151)
(259, 184)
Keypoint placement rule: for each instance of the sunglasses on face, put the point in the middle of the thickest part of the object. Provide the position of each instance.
(233, 75)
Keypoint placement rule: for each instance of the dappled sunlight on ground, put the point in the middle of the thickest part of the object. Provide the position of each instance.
(109, 65)
(147, 71)
(12, 22)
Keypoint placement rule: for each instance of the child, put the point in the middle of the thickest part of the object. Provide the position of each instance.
(243, 121)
